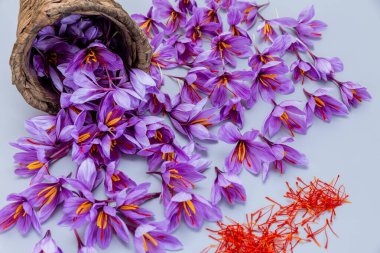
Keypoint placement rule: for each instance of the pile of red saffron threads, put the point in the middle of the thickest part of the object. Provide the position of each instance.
(278, 228)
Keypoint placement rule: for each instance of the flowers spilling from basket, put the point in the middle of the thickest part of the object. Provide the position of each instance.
(112, 111)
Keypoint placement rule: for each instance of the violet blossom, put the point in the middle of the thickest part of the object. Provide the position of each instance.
(248, 153)
(174, 17)
(153, 238)
(19, 213)
(327, 67)
(302, 70)
(284, 155)
(234, 18)
(353, 93)
(229, 186)
(233, 111)
(194, 209)
(224, 4)
(187, 5)
(250, 12)
(197, 29)
(148, 23)
(323, 106)
(287, 114)
(269, 80)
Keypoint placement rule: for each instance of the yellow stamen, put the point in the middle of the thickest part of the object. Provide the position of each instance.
(84, 137)
(129, 207)
(242, 151)
(191, 205)
(319, 102)
(35, 165)
(150, 238)
(84, 207)
(102, 220)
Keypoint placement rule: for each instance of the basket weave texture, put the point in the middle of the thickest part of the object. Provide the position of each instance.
(37, 14)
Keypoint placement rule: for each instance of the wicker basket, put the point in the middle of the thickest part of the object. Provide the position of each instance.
(36, 14)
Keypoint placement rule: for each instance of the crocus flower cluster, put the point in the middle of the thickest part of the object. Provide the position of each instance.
(111, 110)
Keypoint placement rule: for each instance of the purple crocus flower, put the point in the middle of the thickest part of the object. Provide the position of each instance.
(229, 186)
(308, 29)
(353, 93)
(226, 83)
(271, 79)
(159, 133)
(323, 106)
(248, 152)
(47, 196)
(285, 154)
(148, 23)
(186, 49)
(115, 180)
(21, 213)
(234, 18)
(164, 57)
(302, 69)
(224, 4)
(193, 208)
(47, 245)
(226, 47)
(158, 153)
(129, 201)
(250, 11)
(175, 17)
(151, 238)
(270, 54)
(327, 67)
(195, 84)
(77, 210)
(103, 223)
(193, 121)
(286, 114)
(178, 177)
(266, 30)
(197, 29)
(213, 14)
(233, 111)
(95, 56)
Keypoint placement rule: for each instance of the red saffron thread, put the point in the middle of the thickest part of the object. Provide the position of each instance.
(280, 228)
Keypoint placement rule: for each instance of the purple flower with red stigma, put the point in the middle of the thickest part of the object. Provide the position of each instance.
(77, 209)
(234, 18)
(226, 47)
(250, 11)
(270, 54)
(129, 201)
(197, 28)
(233, 111)
(47, 245)
(103, 223)
(286, 114)
(178, 177)
(271, 79)
(323, 106)
(152, 238)
(232, 83)
(115, 180)
(229, 186)
(164, 57)
(193, 121)
(302, 70)
(247, 152)
(161, 152)
(306, 28)
(266, 30)
(327, 67)
(174, 17)
(186, 49)
(285, 155)
(352, 93)
(194, 209)
(47, 196)
(148, 23)
(88, 174)
(159, 133)
(21, 213)
(95, 56)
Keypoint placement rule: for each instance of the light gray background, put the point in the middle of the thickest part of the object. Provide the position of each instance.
(347, 146)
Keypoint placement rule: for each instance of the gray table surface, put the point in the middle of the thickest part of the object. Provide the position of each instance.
(347, 146)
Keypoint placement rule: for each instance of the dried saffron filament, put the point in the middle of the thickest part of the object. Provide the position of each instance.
(279, 228)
